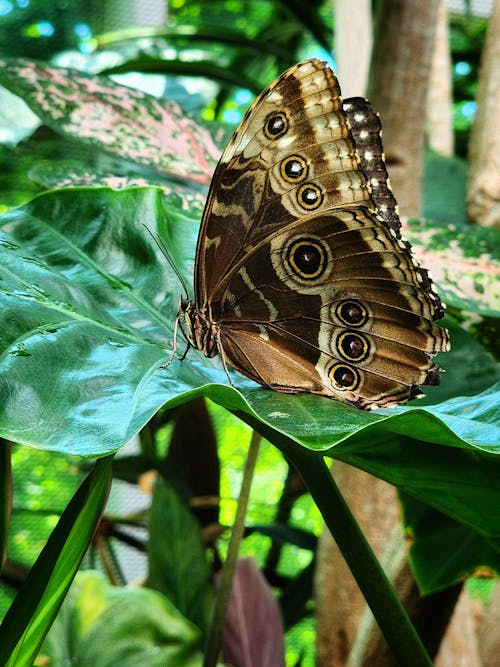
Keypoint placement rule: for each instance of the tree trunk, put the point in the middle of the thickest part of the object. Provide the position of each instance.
(347, 634)
(353, 45)
(489, 635)
(339, 603)
(399, 77)
(483, 200)
(460, 646)
(439, 97)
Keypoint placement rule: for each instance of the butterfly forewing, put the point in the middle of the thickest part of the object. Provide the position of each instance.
(254, 194)
(302, 281)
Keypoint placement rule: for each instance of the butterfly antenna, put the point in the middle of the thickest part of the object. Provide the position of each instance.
(166, 253)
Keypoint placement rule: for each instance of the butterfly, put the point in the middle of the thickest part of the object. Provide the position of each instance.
(302, 281)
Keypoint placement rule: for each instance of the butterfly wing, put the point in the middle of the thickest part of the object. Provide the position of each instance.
(299, 258)
(249, 199)
(358, 330)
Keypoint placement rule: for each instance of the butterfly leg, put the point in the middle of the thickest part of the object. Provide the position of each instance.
(220, 351)
(177, 325)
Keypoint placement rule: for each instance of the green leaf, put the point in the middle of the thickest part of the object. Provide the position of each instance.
(35, 607)
(87, 311)
(88, 305)
(186, 33)
(103, 625)
(199, 68)
(442, 550)
(176, 556)
(74, 173)
(79, 314)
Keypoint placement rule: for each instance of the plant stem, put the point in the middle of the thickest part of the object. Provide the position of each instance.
(226, 579)
(379, 594)
(5, 497)
(376, 588)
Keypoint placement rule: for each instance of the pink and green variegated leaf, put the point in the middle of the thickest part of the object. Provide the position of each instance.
(120, 120)
(466, 265)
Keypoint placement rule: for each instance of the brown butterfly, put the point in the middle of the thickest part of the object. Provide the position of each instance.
(302, 282)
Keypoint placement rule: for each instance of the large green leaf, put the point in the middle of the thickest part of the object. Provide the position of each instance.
(442, 550)
(176, 556)
(37, 603)
(186, 33)
(103, 625)
(87, 311)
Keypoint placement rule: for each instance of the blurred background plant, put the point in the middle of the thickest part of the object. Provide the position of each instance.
(211, 57)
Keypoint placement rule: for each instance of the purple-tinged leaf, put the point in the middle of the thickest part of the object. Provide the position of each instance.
(117, 119)
(253, 631)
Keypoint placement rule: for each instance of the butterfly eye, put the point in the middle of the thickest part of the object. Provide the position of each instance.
(351, 313)
(344, 378)
(275, 125)
(307, 258)
(353, 346)
(294, 169)
(309, 196)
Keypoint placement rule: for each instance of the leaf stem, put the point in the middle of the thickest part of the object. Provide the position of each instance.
(226, 580)
(379, 594)
(5, 497)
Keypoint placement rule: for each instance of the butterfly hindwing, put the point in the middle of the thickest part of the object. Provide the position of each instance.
(355, 308)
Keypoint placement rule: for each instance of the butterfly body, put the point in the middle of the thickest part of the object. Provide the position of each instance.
(302, 281)
(203, 330)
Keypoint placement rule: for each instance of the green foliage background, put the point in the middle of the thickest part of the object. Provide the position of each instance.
(62, 293)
